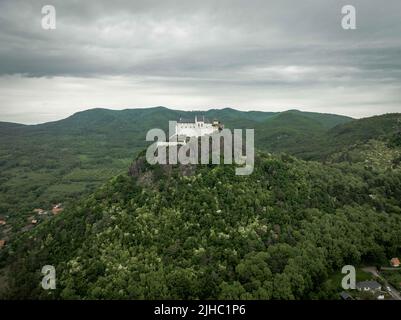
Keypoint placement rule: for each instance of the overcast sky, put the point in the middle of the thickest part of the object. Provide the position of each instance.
(250, 55)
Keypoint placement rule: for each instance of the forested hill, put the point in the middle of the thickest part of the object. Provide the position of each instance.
(173, 233)
(58, 161)
(300, 135)
(367, 128)
(106, 120)
(203, 232)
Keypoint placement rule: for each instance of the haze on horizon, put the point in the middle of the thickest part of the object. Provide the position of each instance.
(197, 55)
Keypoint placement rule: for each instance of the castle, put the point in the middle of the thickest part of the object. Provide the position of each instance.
(186, 129)
(196, 128)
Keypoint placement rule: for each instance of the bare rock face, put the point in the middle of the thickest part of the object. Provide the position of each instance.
(142, 170)
(137, 168)
(149, 174)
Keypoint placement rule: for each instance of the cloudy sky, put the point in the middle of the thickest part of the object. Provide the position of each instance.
(268, 55)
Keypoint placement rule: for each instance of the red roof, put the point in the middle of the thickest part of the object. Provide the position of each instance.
(395, 262)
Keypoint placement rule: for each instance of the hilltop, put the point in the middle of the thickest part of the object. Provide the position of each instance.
(61, 160)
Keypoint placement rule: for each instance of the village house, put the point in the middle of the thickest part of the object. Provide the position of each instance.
(3, 222)
(371, 286)
(395, 262)
(39, 211)
(2, 243)
(34, 221)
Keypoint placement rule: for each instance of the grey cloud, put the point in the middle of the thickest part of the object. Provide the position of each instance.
(120, 37)
(208, 45)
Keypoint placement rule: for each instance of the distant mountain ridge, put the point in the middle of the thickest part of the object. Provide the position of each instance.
(102, 115)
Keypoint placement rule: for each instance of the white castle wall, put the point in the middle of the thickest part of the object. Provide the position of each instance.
(199, 128)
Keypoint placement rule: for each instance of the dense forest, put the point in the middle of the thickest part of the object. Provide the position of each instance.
(174, 232)
(55, 162)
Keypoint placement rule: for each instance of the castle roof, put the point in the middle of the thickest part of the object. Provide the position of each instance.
(199, 119)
